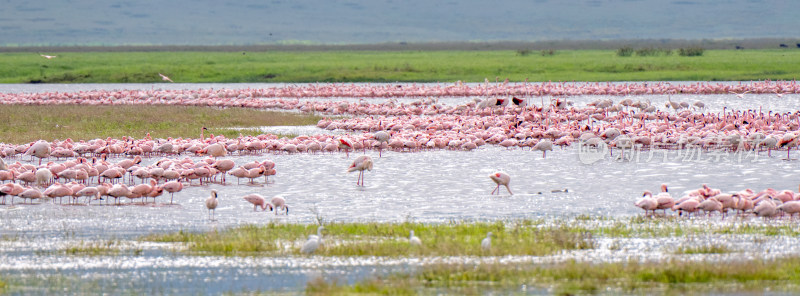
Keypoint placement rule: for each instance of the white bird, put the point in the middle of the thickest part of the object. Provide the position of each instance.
(319, 235)
(310, 245)
(211, 204)
(363, 162)
(414, 240)
(486, 243)
(165, 78)
(501, 178)
(313, 242)
(47, 56)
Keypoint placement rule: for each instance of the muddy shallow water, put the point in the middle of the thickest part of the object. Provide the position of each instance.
(429, 186)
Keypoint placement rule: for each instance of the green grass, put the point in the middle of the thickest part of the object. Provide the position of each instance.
(391, 66)
(384, 239)
(670, 277)
(24, 124)
(524, 237)
(98, 248)
(704, 249)
(672, 226)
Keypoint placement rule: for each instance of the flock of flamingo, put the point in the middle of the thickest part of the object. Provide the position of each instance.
(504, 114)
(768, 203)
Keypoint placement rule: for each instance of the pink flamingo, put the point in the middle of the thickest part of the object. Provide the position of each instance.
(279, 203)
(363, 162)
(223, 165)
(211, 204)
(30, 193)
(257, 200)
(664, 199)
(172, 187)
(165, 78)
(501, 178)
(647, 202)
(119, 190)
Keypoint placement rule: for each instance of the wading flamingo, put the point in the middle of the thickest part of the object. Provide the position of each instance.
(361, 163)
(501, 178)
(258, 200)
(211, 204)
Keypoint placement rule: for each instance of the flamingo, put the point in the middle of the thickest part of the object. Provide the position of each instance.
(363, 162)
(544, 145)
(165, 78)
(40, 149)
(88, 192)
(211, 204)
(172, 187)
(383, 139)
(119, 190)
(647, 202)
(664, 199)
(279, 203)
(30, 193)
(344, 144)
(223, 165)
(501, 178)
(258, 200)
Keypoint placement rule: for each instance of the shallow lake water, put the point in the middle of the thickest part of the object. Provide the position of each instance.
(428, 186)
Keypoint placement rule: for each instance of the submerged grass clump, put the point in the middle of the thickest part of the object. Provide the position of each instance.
(704, 249)
(580, 278)
(248, 240)
(25, 124)
(385, 239)
(98, 248)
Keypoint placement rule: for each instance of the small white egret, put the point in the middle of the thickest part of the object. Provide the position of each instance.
(414, 240)
(310, 245)
(486, 243)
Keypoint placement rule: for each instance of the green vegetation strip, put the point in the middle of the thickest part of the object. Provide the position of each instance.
(24, 124)
(637, 227)
(383, 239)
(671, 277)
(392, 66)
(523, 237)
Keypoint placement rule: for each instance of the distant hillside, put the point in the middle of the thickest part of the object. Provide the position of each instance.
(285, 22)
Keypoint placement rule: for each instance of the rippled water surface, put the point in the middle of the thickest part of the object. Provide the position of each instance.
(429, 186)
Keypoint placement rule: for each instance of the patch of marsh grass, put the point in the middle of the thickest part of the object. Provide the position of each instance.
(385, 239)
(24, 124)
(573, 277)
(703, 249)
(98, 248)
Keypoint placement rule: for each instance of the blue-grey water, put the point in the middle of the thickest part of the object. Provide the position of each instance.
(103, 23)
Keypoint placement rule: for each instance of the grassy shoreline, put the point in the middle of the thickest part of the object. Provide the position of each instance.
(396, 66)
(675, 273)
(25, 124)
